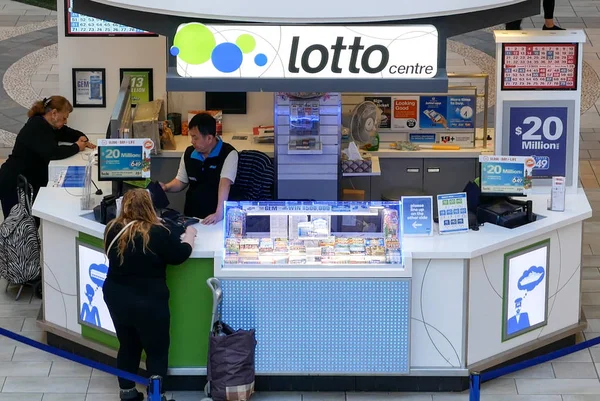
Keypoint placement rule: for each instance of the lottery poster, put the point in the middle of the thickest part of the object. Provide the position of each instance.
(550, 66)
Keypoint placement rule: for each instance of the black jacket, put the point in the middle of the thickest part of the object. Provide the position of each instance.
(142, 274)
(36, 145)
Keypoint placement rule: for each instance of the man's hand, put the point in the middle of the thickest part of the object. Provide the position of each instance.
(213, 218)
(164, 186)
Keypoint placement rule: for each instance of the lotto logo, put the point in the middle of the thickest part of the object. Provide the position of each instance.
(195, 44)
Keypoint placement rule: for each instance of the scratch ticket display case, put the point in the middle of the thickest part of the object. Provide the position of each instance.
(290, 267)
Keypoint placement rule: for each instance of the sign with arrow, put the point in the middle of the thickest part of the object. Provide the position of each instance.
(541, 133)
(417, 215)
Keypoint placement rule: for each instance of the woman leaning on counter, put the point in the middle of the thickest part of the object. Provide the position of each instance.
(36, 145)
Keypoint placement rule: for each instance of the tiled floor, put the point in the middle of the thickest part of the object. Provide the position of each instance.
(28, 374)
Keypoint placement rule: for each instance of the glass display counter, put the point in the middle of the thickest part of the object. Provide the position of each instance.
(291, 234)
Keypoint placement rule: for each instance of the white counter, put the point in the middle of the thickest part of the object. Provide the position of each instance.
(61, 206)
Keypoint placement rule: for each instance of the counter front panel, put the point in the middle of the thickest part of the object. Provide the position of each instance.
(323, 326)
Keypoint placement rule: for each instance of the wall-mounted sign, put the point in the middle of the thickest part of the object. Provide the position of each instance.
(540, 132)
(92, 268)
(505, 174)
(525, 301)
(447, 112)
(527, 66)
(89, 87)
(340, 11)
(270, 51)
(405, 112)
(142, 88)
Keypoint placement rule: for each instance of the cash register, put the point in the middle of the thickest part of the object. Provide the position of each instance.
(494, 203)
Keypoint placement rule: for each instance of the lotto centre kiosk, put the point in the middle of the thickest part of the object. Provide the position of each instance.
(369, 295)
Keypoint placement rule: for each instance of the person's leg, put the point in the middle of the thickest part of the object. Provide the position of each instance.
(156, 340)
(514, 25)
(548, 6)
(128, 358)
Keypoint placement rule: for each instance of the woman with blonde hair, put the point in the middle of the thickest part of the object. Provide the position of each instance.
(139, 248)
(36, 145)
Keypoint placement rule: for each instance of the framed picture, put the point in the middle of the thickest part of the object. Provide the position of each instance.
(525, 301)
(89, 87)
(142, 88)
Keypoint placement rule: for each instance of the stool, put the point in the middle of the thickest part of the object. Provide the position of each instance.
(395, 194)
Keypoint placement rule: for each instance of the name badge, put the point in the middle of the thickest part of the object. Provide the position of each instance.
(192, 178)
(213, 166)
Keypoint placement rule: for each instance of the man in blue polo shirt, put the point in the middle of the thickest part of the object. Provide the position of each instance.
(208, 167)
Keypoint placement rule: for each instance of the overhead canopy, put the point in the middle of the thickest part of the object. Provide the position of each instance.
(309, 11)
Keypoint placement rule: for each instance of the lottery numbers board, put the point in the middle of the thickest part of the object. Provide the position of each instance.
(545, 66)
(82, 25)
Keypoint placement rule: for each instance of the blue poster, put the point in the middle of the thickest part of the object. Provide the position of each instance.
(461, 112)
(540, 132)
(421, 138)
(433, 112)
(417, 215)
(502, 177)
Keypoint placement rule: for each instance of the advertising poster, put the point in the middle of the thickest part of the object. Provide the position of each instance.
(92, 270)
(525, 289)
(385, 105)
(124, 158)
(433, 112)
(541, 133)
(406, 112)
(417, 215)
(506, 174)
(461, 112)
(141, 85)
(452, 213)
(89, 88)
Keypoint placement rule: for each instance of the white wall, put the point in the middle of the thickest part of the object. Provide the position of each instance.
(111, 54)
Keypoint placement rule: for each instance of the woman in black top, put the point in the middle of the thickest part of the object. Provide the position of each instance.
(139, 248)
(36, 145)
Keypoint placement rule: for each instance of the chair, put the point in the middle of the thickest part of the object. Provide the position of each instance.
(255, 177)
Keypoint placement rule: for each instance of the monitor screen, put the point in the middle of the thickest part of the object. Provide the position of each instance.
(92, 268)
(227, 102)
(124, 159)
(82, 25)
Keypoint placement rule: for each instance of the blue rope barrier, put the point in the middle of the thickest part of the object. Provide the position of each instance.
(538, 359)
(476, 379)
(83, 361)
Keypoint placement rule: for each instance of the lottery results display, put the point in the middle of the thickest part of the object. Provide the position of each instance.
(550, 66)
(82, 25)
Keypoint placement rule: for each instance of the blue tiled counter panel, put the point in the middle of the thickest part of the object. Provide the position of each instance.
(323, 326)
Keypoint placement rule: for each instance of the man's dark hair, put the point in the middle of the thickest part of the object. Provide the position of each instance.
(206, 124)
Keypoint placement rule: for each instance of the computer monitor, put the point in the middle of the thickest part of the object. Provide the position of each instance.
(122, 160)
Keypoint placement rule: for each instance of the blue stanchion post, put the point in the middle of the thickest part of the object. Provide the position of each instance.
(474, 386)
(155, 389)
